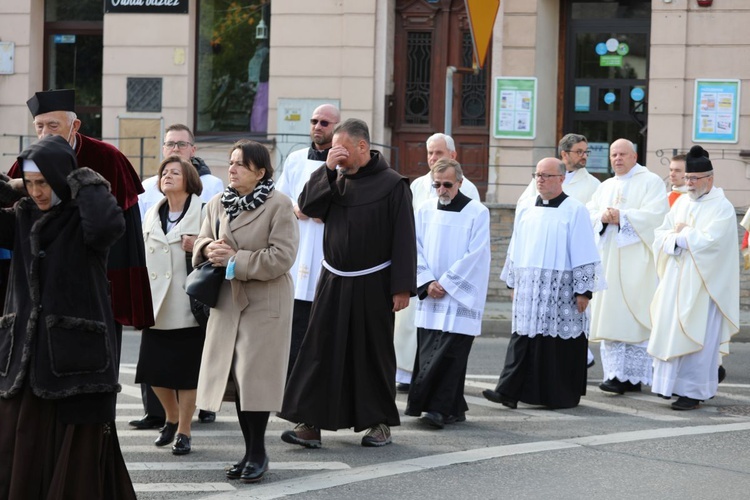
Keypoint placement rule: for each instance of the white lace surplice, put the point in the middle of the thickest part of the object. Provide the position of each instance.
(552, 256)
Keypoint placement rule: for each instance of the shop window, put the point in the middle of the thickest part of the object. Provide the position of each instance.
(232, 76)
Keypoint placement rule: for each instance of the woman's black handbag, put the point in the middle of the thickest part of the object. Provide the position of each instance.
(199, 309)
(204, 283)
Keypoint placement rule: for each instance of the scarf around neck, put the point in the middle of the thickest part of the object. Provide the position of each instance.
(234, 203)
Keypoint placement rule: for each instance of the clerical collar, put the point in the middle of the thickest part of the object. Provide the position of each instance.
(553, 203)
(317, 154)
(457, 203)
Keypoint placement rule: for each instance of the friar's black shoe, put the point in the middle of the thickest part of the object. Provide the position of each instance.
(253, 472)
(234, 471)
(181, 445)
(147, 422)
(612, 385)
(631, 387)
(684, 403)
(166, 434)
(206, 417)
(433, 419)
(496, 397)
(452, 419)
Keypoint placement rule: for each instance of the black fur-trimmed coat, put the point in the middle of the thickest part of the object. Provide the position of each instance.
(57, 332)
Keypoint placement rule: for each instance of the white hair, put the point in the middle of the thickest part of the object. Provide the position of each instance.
(449, 142)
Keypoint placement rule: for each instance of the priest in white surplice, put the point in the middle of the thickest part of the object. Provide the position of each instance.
(553, 268)
(696, 308)
(625, 210)
(405, 332)
(453, 267)
(306, 269)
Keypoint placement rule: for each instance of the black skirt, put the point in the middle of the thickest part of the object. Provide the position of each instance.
(170, 358)
(547, 371)
(43, 458)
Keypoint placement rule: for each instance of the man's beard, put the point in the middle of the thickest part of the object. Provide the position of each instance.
(694, 195)
(444, 200)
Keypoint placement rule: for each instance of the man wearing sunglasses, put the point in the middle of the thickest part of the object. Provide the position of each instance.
(306, 269)
(696, 308)
(553, 268)
(453, 259)
(439, 146)
(625, 210)
(179, 140)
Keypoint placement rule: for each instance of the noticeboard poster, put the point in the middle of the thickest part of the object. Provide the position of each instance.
(716, 111)
(515, 108)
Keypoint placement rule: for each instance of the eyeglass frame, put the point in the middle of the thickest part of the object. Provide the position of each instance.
(585, 152)
(543, 176)
(695, 178)
(323, 123)
(445, 184)
(179, 144)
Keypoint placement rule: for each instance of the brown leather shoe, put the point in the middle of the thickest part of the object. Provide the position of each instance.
(303, 435)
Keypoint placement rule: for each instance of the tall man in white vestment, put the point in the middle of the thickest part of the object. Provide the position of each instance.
(405, 332)
(624, 211)
(553, 268)
(306, 269)
(453, 268)
(696, 308)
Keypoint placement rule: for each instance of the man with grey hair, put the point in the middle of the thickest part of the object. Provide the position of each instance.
(439, 146)
(625, 210)
(345, 369)
(553, 268)
(453, 266)
(696, 306)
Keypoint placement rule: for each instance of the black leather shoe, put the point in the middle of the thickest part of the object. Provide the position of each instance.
(722, 374)
(684, 403)
(148, 422)
(452, 419)
(631, 387)
(252, 473)
(206, 417)
(234, 471)
(496, 397)
(613, 386)
(433, 419)
(181, 445)
(166, 434)
(401, 387)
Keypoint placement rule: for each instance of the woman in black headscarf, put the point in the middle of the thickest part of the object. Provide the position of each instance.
(58, 350)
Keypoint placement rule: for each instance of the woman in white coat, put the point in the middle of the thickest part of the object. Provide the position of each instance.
(171, 350)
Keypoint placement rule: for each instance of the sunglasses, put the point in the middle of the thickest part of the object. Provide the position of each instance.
(323, 123)
(446, 185)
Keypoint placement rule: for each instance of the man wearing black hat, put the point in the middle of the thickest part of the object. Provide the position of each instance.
(696, 307)
(54, 114)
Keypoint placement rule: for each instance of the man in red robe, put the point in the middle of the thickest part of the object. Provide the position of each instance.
(54, 114)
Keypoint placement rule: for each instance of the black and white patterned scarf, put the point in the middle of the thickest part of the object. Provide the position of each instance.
(234, 203)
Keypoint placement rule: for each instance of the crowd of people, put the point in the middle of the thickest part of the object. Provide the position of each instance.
(340, 285)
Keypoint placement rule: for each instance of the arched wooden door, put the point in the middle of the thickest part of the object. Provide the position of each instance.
(429, 37)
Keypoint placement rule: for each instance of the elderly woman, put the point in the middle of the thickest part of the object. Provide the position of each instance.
(249, 330)
(58, 348)
(171, 350)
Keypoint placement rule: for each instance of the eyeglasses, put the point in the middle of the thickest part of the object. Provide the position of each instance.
(693, 178)
(446, 185)
(323, 123)
(179, 144)
(579, 152)
(535, 175)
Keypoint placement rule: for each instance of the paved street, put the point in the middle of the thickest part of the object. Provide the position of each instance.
(614, 447)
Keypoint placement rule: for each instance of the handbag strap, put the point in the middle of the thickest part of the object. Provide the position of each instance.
(189, 255)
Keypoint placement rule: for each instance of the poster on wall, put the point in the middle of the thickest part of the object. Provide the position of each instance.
(716, 111)
(515, 108)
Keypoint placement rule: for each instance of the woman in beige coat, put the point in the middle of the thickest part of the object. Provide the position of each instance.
(249, 330)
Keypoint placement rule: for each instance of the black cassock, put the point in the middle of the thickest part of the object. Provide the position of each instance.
(345, 371)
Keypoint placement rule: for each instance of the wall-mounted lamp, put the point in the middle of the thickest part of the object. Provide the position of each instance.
(705, 3)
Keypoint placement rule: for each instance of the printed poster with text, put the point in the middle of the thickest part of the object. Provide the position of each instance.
(515, 108)
(716, 112)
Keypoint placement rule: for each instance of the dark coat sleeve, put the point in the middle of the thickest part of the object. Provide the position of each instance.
(404, 250)
(102, 222)
(316, 196)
